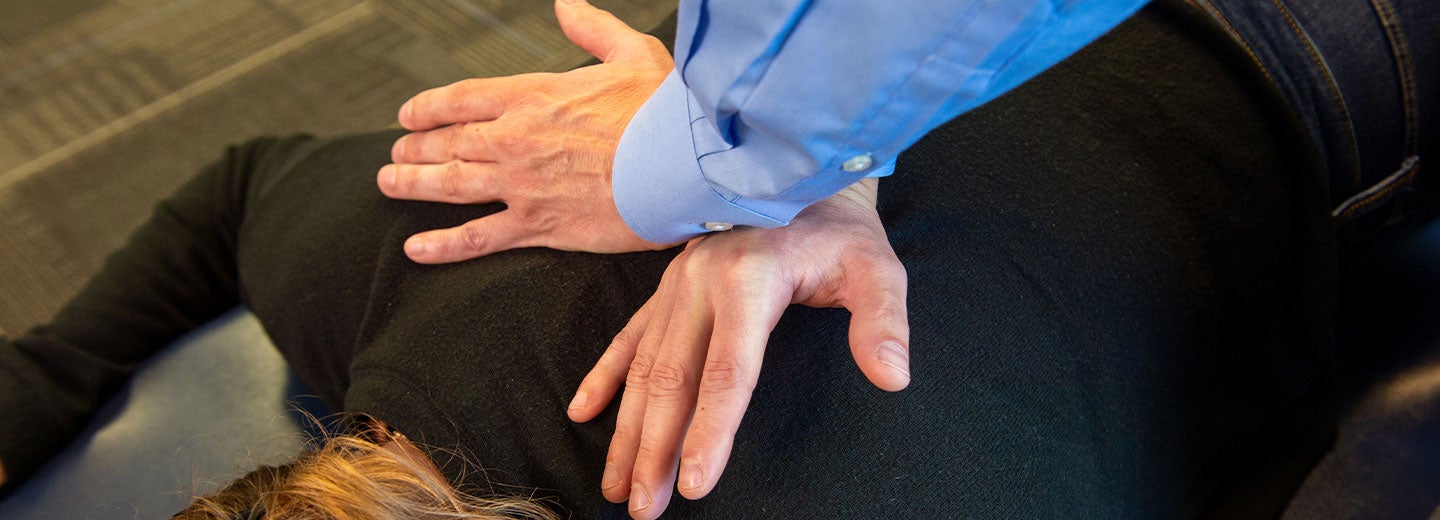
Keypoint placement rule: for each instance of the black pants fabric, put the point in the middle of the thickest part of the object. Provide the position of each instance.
(1121, 280)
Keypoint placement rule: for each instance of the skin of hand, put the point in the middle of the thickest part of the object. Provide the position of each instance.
(543, 144)
(690, 357)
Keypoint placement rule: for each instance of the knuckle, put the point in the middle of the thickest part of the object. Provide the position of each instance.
(744, 271)
(470, 86)
(469, 141)
(452, 180)
(449, 140)
(650, 42)
(668, 379)
(473, 237)
(650, 448)
(892, 268)
(624, 341)
(736, 276)
(512, 143)
(643, 46)
(639, 374)
(624, 433)
(456, 100)
(723, 377)
(889, 311)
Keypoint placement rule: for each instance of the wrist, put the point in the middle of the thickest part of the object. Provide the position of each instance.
(865, 191)
(854, 203)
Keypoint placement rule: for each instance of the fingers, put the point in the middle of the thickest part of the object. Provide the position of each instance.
(466, 142)
(478, 99)
(490, 234)
(604, 379)
(456, 182)
(731, 371)
(669, 405)
(880, 324)
(597, 31)
(620, 459)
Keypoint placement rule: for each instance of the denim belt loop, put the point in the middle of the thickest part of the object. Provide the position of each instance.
(1346, 70)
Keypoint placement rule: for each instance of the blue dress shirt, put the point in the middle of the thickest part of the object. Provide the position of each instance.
(776, 104)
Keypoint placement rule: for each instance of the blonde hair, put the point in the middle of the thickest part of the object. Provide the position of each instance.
(354, 477)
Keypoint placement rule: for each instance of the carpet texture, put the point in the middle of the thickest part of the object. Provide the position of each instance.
(108, 105)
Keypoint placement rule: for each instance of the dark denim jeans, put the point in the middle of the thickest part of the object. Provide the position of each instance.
(1361, 77)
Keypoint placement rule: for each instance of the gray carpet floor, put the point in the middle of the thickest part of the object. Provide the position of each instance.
(108, 105)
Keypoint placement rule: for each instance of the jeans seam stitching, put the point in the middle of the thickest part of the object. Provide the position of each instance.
(1400, 51)
(1229, 27)
(1332, 86)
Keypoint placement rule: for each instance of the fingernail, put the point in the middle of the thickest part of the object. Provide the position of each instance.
(690, 475)
(639, 499)
(611, 478)
(579, 401)
(407, 111)
(398, 149)
(417, 246)
(387, 176)
(894, 357)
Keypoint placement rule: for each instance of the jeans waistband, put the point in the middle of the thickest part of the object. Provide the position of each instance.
(1345, 67)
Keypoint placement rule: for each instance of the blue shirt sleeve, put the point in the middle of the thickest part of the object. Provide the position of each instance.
(775, 105)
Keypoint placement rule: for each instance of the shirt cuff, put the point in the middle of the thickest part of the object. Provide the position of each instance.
(657, 183)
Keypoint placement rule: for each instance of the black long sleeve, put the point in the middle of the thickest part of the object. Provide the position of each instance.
(177, 272)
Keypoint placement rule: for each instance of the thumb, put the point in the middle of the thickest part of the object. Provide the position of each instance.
(597, 31)
(880, 324)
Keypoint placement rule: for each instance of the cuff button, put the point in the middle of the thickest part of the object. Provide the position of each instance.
(858, 163)
(718, 226)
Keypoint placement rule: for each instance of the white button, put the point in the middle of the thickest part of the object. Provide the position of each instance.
(718, 226)
(858, 163)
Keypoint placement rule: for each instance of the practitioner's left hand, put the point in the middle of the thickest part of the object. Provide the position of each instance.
(691, 355)
(541, 143)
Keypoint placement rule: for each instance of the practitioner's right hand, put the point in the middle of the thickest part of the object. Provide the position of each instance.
(690, 357)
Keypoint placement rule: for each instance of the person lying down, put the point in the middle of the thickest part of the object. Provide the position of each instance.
(1109, 300)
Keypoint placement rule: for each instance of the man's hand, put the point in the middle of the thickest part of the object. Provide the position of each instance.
(691, 355)
(541, 143)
